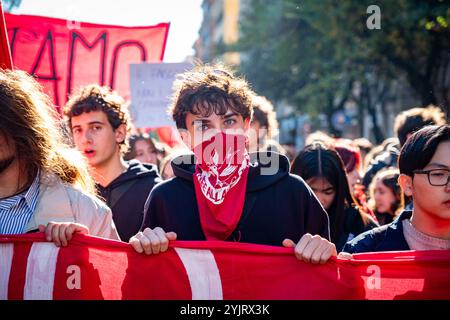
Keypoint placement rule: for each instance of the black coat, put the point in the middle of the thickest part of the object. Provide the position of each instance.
(353, 226)
(276, 207)
(126, 196)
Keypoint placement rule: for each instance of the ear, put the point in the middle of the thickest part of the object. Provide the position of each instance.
(406, 183)
(120, 133)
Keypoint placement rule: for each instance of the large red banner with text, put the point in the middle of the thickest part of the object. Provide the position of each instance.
(94, 268)
(67, 54)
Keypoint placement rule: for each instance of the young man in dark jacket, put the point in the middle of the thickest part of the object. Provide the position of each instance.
(224, 193)
(99, 122)
(424, 165)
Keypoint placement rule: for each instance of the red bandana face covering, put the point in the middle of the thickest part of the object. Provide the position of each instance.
(220, 182)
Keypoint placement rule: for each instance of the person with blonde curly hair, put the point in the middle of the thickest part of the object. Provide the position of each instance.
(99, 121)
(43, 184)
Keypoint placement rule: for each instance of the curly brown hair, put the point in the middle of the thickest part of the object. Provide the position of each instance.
(207, 89)
(96, 98)
(29, 120)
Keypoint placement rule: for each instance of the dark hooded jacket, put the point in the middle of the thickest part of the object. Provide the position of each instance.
(385, 238)
(126, 196)
(353, 226)
(277, 206)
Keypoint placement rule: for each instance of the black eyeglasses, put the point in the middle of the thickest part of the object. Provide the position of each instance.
(436, 177)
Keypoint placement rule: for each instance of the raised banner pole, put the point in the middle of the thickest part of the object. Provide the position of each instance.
(5, 53)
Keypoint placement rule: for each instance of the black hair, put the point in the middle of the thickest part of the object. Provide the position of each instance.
(421, 147)
(412, 120)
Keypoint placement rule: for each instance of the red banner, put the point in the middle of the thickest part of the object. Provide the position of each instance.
(94, 268)
(65, 54)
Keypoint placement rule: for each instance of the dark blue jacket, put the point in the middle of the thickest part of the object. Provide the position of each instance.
(385, 238)
(277, 206)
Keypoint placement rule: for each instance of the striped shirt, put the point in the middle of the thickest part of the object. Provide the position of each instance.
(16, 211)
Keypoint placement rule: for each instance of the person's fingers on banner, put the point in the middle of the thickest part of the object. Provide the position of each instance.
(61, 233)
(306, 251)
(137, 242)
(155, 242)
(345, 256)
(302, 245)
(55, 233)
(298, 248)
(164, 242)
(317, 253)
(288, 243)
(328, 251)
(312, 249)
(70, 228)
(315, 249)
(172, 236)
(152, 241)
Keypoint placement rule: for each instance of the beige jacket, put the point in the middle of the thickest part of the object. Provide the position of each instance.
(61, 202)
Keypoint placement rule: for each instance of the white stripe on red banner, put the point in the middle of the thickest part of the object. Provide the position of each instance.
(41, 269)
(6, 255)
(203, 273)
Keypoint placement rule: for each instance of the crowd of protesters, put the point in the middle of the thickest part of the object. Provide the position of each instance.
(230, 182)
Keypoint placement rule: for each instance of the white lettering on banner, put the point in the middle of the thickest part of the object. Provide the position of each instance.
(74, 280)
(6, 255)
(374, 280)
(203, 273)
(41, 267)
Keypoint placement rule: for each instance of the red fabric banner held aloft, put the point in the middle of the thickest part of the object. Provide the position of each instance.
(65, 54)
(94, 268)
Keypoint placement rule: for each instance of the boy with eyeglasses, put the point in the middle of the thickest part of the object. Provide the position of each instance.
(424, 165)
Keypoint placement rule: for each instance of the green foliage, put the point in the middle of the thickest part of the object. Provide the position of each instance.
(310, 53)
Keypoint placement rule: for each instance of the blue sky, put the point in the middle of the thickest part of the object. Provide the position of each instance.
(185, 17)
